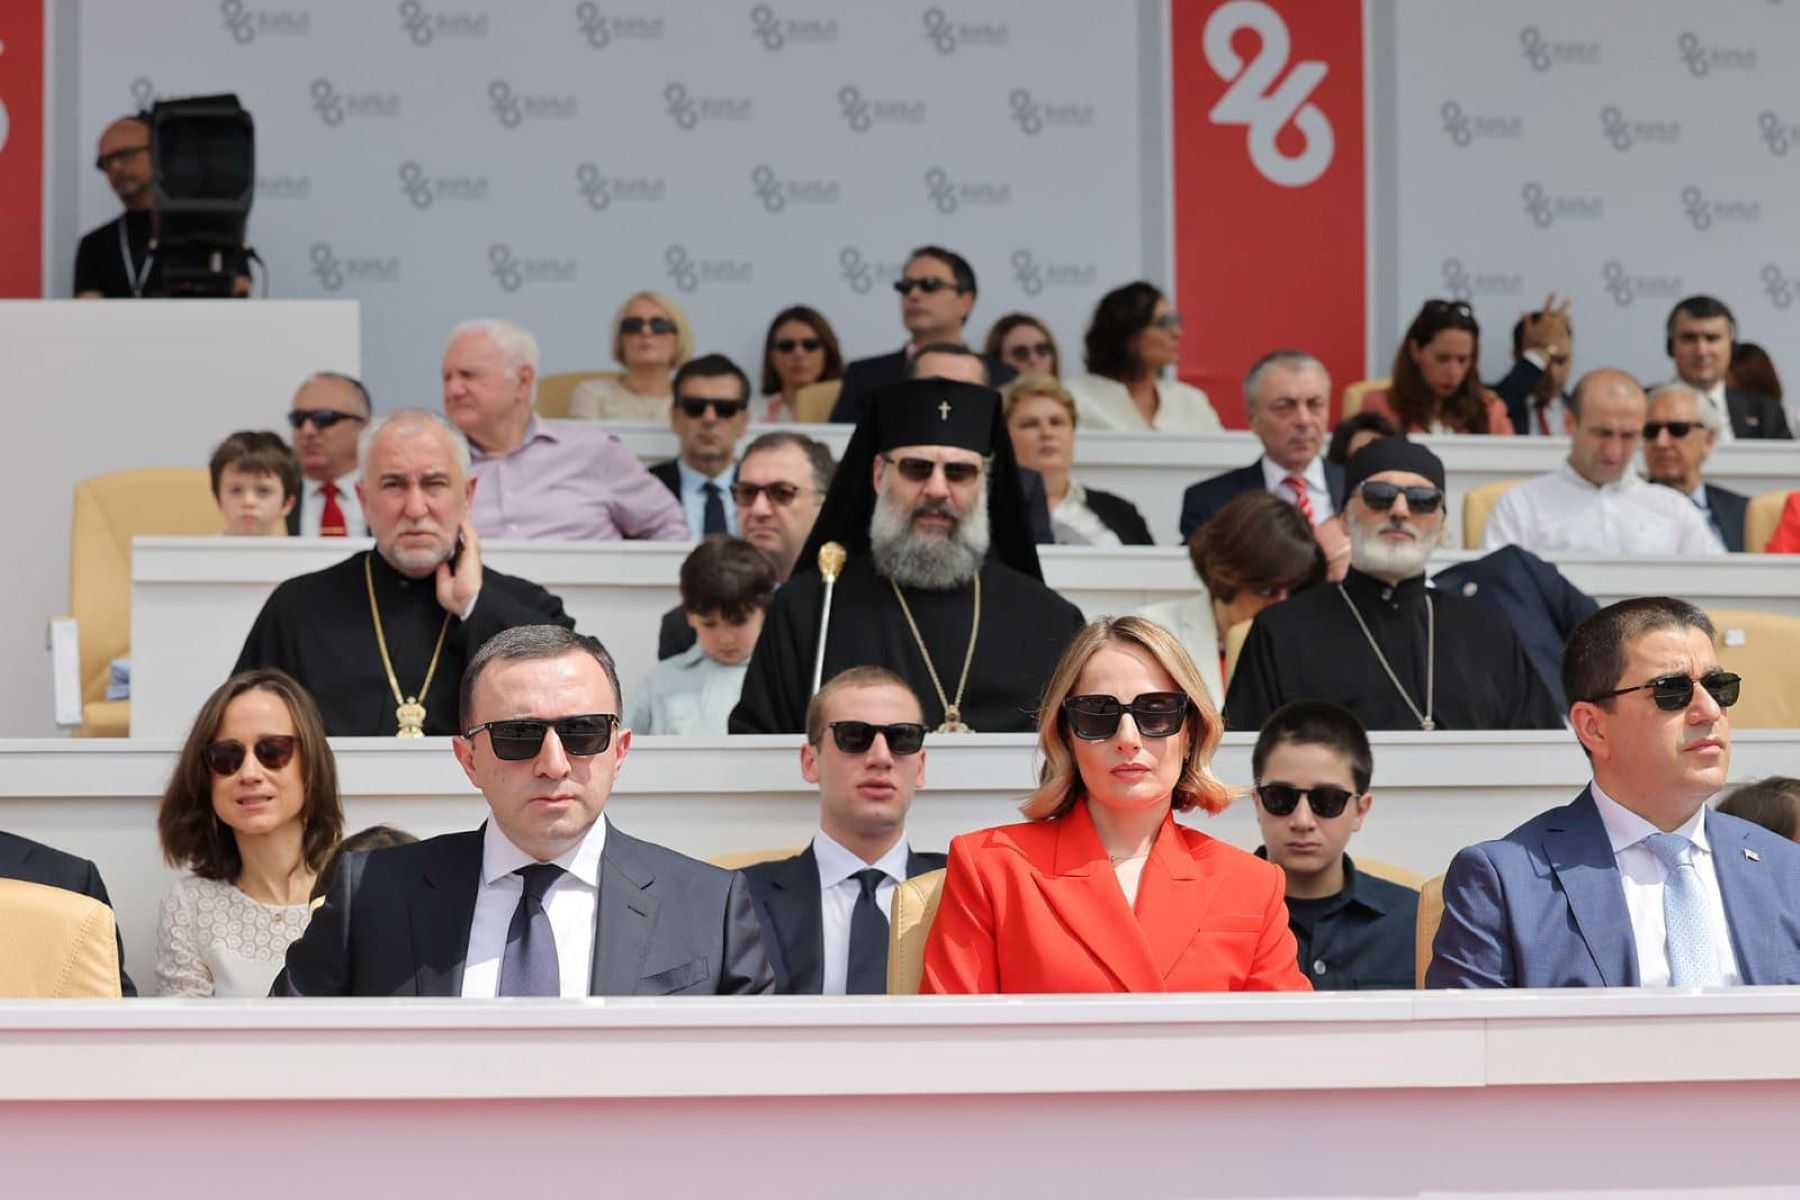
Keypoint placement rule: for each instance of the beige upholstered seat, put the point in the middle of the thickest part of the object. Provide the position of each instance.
(909, 925)
(1765, 649)
(1760, 520)
(1478, 504)
(814, 402)
(57, 944)
(1392, 872)
(739, 859)
(553, 391)
(1431, 915)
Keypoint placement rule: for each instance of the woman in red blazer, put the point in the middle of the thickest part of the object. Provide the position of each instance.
(1100, 890)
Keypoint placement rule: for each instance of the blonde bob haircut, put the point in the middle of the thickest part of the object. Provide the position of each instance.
(1027, 386)
(1060, 786)
(684, 333)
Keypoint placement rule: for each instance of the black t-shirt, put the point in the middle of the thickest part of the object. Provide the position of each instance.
(101, 265)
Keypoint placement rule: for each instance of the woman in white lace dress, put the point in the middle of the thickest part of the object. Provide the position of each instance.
(252, 812)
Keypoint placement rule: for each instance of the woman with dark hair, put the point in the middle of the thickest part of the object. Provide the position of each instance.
(1356, 431)
(1134, 337)
(1255, 552)
(252, 812)
(799, 350)
(1436, 387)
(1025, 344)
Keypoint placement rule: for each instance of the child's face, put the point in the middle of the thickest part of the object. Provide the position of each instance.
(1302, 842)
(252, 504)
(729, 642)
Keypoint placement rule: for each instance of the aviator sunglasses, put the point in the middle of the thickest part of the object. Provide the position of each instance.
(789, 345)
(780, 493)
(656, 324)
(514, 741)
(1381, 497)
(321, 418)
(274, 751)
(1673, 693)
(918, 470)
(1096, 718)
(1280, 799)
(855, 737)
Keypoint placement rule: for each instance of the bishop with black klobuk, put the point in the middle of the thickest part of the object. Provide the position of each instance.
(941, 584)
(1382, 644)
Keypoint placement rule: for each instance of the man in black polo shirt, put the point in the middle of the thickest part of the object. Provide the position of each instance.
(1313, 767)
(115, 261)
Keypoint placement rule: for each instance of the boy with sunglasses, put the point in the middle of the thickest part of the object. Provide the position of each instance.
(825, 910)
(726, 586)
(1313, 767)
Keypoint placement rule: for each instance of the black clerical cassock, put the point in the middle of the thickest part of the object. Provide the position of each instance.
(1024, 626)
(318, 628)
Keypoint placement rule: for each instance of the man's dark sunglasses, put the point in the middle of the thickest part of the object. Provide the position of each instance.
(929, 285)
(724, 409)
(106, 161)
(918, 470)
(588, 734)
(321, 418)
(1096, 718)
(1677, 429)
(1326, 800)
(274, 751)
(789, 345)
(855, 737)
(636, 325)
(780, 494)
(1673, 693)
(1381, 497)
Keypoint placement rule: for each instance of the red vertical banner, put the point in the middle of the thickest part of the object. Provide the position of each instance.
(1269, 187)
(21, 148)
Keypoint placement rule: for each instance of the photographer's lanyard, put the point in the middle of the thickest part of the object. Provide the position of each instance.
(133, 276)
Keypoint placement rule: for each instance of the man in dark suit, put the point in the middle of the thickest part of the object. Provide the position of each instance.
(826, 909)
(328, 416)
(1678, 437)
(1636, 883)
(546, 899)
(34, 862)
(709, 413)
(1701, 332)
(1542, 607)
(1536, 388)
(1288, 395)
(937, 291)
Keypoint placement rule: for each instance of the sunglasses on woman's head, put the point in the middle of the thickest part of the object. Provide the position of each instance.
(918, 470)
(1381, 496)
(656, 324)
(273, 750)
(1095, 718)
(1673, 693)
(514, 741)
(789, 345)
(855, 737)
(1460, 307)
(1326, 800)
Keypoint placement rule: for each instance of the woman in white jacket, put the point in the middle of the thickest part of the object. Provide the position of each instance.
(1133, 338)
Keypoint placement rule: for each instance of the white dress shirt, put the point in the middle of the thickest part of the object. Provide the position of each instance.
(314, 503)
(1643, 874)
(1104, 403)
(1562, 513)
(1714, 397)
(1275, 479)
(838, 893)
(571, 903)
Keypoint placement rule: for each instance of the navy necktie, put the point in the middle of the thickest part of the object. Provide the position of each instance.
(529, 966)
(713, 520)
(867, 975)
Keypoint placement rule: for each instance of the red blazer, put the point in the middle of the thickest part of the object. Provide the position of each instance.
(1037, 908)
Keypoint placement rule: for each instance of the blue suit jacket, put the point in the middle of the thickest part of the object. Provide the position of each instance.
(1544, 906)
(1203, 500)
(1543, 607)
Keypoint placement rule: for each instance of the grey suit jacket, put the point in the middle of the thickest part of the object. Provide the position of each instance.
(396, 923)
(1544, 906)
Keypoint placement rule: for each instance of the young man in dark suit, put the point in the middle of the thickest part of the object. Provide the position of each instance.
(34, 862)
(826, 909)
(1701, 332)
(709, 413)
(1678, 437)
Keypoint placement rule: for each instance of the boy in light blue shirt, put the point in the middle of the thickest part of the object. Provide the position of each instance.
(726, 587)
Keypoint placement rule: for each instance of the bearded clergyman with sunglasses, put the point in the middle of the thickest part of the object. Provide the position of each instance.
(1637, 883)
(1383, 644)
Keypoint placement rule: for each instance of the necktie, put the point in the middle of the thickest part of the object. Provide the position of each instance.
(529, 966)
(713, 521)
(1302, 501)
(331, 517)
(867, 975)
(1693, 959)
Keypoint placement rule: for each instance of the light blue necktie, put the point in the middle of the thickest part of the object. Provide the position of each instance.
(1693, 959)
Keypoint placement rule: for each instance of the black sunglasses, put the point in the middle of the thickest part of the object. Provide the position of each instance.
(105, 161)
(1673, 693)
(1096, 718)
(274, 751)
(724, 409)
(855, 737)
(1677, 429)
(321, 418)
(928, 285)
(590, 733)
(1381, 496)
(1326, 800)
(636, 325)
(918, 470)
(789, 345)
(780, 494)
(1026, 351)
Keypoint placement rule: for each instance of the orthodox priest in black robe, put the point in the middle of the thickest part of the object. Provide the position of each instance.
(941, 583)
(432, 597)
(1381, 644)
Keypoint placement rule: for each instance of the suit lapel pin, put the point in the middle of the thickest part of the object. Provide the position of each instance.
(1752, 855)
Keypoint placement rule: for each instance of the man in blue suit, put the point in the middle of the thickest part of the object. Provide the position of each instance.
(1637, 883)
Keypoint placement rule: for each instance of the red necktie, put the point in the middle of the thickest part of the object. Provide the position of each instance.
(1302, 501)
(331, 517)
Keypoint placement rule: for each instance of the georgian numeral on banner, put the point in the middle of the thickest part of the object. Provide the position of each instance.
(1249, 100)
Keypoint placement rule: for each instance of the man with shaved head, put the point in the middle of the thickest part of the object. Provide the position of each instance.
(114, 262)
(1594, 504)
